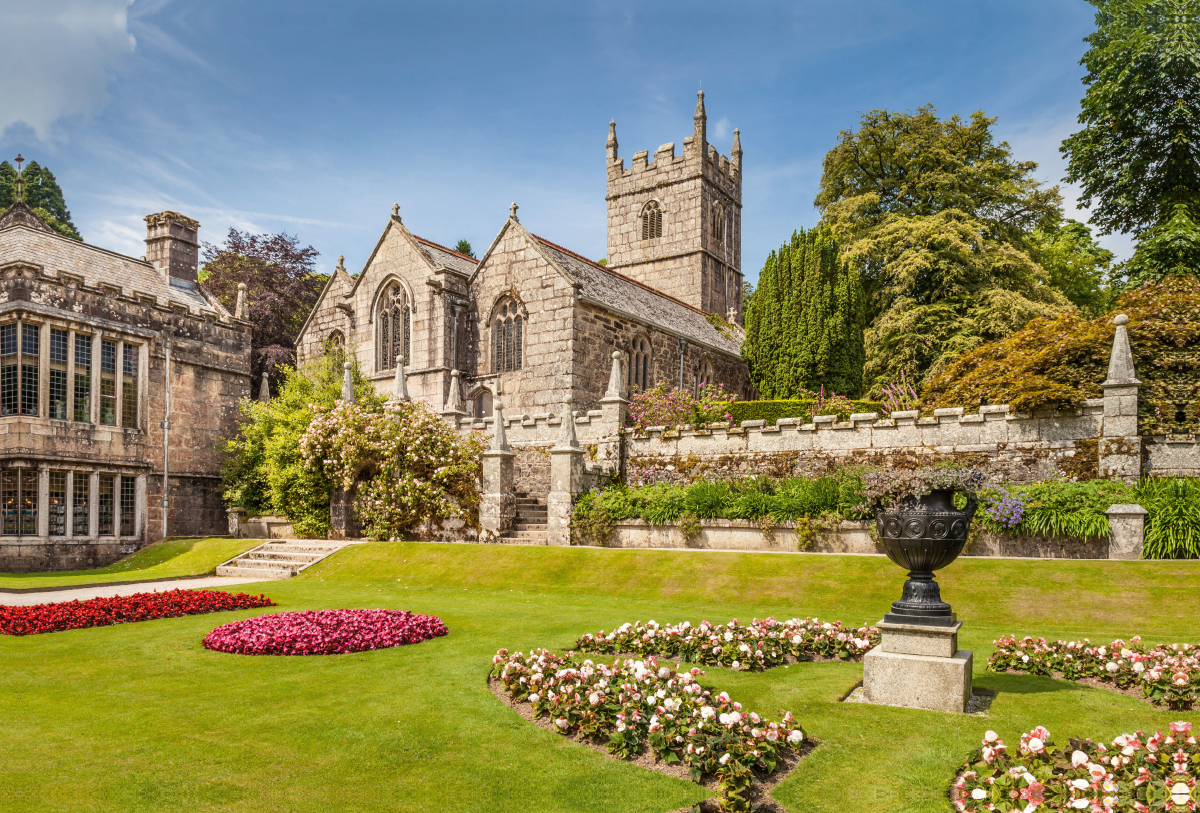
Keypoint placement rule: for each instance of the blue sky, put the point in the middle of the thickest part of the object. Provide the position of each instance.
(314, 117)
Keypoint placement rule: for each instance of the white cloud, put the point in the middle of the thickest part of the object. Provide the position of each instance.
(721, 130)
(56, 57)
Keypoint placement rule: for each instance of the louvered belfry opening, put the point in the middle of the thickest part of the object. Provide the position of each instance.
(652, 219)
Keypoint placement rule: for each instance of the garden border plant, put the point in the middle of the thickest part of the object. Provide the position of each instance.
(324, 632)
(105, 611)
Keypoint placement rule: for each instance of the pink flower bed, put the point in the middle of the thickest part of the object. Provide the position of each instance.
(324, 632)
(1167, 674)
(1136, 774)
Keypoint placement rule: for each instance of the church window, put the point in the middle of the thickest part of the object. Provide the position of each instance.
(393, 327)
(652, 218)
(508, 338)
(481, 404)
(718, 225)
(704, 376)
(639, 364)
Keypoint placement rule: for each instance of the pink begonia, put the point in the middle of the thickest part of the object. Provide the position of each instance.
(324, 632)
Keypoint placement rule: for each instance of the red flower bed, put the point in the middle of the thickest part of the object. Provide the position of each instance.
(324, 632)
(101, 612)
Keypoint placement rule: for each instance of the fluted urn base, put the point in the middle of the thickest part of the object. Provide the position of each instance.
(921, 603)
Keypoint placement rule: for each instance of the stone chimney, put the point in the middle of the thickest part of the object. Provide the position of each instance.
(173, 246)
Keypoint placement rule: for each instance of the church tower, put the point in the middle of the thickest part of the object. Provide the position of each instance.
(675, 223)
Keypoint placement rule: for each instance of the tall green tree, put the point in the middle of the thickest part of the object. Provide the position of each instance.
(41, 193)
(464, 247)
(1137, 157)
(804, 324)
(1077, 265)
(938, 215)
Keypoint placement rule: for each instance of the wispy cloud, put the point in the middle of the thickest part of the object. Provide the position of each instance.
(57, 58)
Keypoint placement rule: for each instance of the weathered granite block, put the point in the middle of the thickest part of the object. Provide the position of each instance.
(918, 681)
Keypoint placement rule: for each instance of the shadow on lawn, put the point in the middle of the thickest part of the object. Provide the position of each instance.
(1029, 684)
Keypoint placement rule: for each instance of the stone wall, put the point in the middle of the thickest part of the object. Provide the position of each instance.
(1177, 456)
(1011, 446)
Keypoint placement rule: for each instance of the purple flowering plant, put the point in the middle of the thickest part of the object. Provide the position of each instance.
(672, 407)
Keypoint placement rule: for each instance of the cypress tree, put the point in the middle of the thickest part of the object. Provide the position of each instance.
(41, 192)
(804, 328)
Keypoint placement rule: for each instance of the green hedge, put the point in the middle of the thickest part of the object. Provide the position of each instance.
(772, 411)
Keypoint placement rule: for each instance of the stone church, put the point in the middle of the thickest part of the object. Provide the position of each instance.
(532, 322)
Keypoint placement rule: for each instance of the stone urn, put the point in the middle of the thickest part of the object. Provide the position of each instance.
(924, 535)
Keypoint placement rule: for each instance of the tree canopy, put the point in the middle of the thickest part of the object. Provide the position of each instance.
(464, 247)
(804, 324)
(41, 192)
(941, 219)
(1138, 154)
(282, 286)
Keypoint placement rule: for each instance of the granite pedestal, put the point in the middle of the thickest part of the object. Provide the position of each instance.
(919, 667)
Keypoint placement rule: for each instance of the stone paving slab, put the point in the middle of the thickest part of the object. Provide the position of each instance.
(109, 590)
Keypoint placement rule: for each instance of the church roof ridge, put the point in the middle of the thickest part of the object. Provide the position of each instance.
(466, 257)
(21, 214)
(618, 275)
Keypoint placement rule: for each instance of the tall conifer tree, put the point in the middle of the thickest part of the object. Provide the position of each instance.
(804, 327)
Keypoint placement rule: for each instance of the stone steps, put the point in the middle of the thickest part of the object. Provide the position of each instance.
(279, 560)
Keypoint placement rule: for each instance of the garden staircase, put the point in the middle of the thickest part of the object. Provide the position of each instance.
(279, 559)
(530, 525)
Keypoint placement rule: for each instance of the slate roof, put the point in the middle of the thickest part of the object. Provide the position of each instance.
(20, 242)
(440, 255)
(643, 302)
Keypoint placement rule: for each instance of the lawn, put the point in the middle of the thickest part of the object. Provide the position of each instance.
(170, 558)
(140, 717)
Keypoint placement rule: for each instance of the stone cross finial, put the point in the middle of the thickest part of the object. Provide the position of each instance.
(264, 389)
(400, 389)
(566, 438)
(513, 210)
(341, 266)
(499, 436)
(347, 383)
(1120, 363)
(396, 210)
(20, 178)
(731, 315)
(241, 308)
(615, 379)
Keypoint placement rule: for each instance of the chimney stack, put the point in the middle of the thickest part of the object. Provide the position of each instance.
(173, 246)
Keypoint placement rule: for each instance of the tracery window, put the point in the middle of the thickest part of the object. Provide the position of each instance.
(718, 225)
(704, 375)
(652, 218)
(393, 326)
(639, 364)
(508, 338)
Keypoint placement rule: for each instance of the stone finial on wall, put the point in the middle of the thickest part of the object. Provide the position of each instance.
(400, 388)
(566, 437)
(615, 380)
(348, 383)
(1120, 447)
(611, 144)
(499, 434)
(1120, 362)
(242, 309)
(264, 389)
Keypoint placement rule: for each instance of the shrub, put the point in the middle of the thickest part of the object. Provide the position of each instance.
(635, 705)
(761, 645)
(893, 488)
(102, 612)
(1138, 773)
(1167, 674)
(410, 468)
(1173, 524)
(1075, 510)
(324, 632)
(669, 407)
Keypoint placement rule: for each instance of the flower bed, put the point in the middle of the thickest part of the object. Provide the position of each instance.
(324, 632)
(634, 704)
(753, 648)
(102, 612)
(1166, 674)
(1137, 773)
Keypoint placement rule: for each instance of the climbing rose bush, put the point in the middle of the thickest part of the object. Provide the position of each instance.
(1136, 774)
(635, 704)
(102, 612)
(1167, 674)
(408, 466)
(324, 632)
(753, 648)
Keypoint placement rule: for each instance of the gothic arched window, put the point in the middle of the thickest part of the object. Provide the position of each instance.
(718, 225)
(508, 338)
(704, 375)
(639, 364)
(651, 220)
(392, 328)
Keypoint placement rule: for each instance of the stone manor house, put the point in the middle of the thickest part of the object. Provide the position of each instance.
(115, 372)
(533, 322)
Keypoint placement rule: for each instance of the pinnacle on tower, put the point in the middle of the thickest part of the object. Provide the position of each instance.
(701, 122)
(735, 153)
(612, 141)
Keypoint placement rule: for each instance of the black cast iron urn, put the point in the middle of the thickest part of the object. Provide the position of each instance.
(923, 535)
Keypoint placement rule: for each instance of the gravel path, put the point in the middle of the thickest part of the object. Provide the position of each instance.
(109, 590)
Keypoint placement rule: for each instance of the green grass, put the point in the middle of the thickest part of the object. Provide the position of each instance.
(170, 558)
(140, 717)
